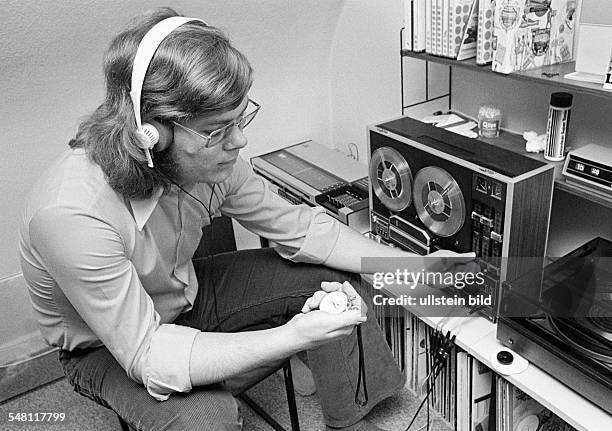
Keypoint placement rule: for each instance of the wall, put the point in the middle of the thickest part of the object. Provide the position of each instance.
(50, 64)
(51, 75)
(365, 71)
(323, 70)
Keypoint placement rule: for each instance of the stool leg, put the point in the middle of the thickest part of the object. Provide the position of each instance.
(293, 414)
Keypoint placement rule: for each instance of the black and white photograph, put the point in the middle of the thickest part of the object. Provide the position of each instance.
(316, 215)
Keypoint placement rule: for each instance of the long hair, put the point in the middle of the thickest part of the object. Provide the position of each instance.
(195, 71)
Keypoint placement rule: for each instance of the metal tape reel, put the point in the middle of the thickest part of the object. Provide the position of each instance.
(439, 201)
(391, 178)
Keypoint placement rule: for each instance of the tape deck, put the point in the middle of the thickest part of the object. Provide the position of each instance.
(432, 189)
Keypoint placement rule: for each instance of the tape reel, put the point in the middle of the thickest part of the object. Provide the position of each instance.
(438, 201)
(391, 178)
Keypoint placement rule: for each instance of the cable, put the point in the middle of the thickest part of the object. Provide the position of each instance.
(211, 255)
(212, 258)
(441, 346)
(353, 155)
(361, 379)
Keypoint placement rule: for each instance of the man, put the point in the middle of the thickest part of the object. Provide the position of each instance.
(109, 232)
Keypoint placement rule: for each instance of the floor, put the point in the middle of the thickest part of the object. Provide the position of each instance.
(393, 414)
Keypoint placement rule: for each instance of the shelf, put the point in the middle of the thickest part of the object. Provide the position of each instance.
(551, 75)
(477, 336)
(516, 144)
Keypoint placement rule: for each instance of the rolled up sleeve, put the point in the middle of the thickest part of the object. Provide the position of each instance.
(299, 232)
(168, 361)
(103, 286)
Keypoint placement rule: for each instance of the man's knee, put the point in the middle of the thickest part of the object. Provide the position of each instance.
(208, 410)
(201, 409)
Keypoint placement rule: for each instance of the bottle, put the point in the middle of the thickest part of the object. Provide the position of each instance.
(556, 129)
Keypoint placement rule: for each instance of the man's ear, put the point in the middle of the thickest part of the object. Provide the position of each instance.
(166, 135)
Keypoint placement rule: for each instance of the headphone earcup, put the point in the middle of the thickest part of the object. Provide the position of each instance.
(163, 133)
(148, 135)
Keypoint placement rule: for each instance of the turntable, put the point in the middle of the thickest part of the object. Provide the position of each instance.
(432, 189)
(564, 324)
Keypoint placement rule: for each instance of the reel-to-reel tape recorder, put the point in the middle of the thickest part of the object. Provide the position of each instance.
(432, 189)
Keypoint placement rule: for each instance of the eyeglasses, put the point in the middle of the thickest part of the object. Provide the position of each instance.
(217, 136)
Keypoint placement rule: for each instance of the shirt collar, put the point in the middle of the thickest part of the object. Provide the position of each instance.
(143, 208)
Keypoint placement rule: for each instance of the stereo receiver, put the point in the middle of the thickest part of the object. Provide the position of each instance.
(432, 189)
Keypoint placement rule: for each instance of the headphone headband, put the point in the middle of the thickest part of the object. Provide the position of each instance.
(146, 50)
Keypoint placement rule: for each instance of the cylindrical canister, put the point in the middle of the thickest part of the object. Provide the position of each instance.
(556, 129)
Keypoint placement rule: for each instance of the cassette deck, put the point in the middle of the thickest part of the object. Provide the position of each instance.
(313, 174)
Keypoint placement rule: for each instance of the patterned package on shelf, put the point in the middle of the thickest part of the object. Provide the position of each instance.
(533, 33)
(463, 31)
(467, 48)
(484, 48)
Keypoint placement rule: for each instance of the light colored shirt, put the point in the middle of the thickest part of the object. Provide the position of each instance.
(104, 270)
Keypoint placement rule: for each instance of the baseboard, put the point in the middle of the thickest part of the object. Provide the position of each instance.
(26, 361)
(28, 374)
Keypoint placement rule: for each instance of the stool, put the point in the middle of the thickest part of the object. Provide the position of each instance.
(293, 414)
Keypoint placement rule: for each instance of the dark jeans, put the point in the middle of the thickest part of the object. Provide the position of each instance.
(242, 291)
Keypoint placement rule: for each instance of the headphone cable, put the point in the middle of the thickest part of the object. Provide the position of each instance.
(209, 253)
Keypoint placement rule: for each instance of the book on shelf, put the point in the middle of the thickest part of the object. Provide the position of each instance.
(446, 7)
(408, 27)
(438, 24)
(467, 48)
(415, 35)
(419, 28)
(463, 391)
(517, 411)
(466, 393)
(458, 18)
(428, 26)
(446, 28)
(481, 394)
(486, 33)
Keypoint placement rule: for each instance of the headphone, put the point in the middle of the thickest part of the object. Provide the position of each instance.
(153, 133)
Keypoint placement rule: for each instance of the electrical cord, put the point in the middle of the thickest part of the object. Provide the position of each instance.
(212, 236)
(353, 155)
(440, 347)
(361, 379)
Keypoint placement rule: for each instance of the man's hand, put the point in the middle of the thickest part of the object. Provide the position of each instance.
(316, 327)
(355, 302)
(452, 262)
(449, 259)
